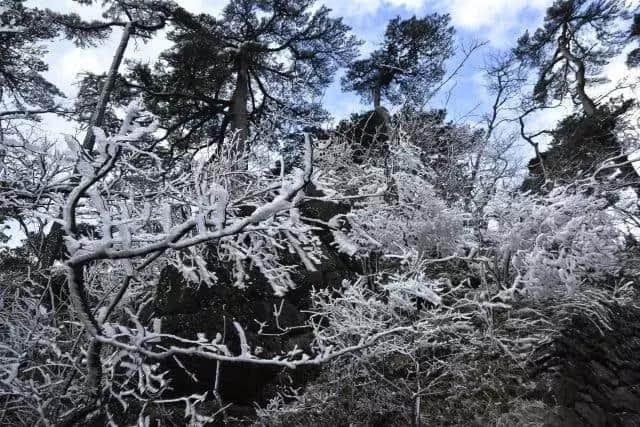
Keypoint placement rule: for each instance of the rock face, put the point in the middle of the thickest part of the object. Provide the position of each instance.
(593, 377)
(186, 310)
(369, 134)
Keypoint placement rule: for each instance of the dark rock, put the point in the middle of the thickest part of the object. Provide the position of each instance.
(368, 133)
(603, 373)
(630, 376)
(591, 414)
(568, 391)
(564, 417)
(623, 398)
(626, 420)
(185, 309)
(594, 375)
(585, 398)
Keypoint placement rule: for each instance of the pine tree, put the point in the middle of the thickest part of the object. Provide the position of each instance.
(137, 20)
(578, 38)
(407, 64)
(259, 57)
(23, 88)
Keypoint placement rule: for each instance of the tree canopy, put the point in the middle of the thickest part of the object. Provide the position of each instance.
(23, 31)
(408, 63)
(569, 51)
(257, 58)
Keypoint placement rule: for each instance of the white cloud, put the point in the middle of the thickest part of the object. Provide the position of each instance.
(212, 7)
(77, 61)
(353, 8)
(66, 61)
(195, 6)
(67, 6)
(476, 14)
(495, 19)
(492, 19)
(468, 14)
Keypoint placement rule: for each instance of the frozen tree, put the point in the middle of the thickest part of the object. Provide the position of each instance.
(125, 218)
(461, 323)
(566, 239)
(452, 282)
(464, 306)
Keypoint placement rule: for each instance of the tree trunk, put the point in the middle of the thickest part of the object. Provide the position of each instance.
(377, 97)
(588, 105)
(94, 369)
(55, 238)
(98, 115)
(239, 114)
(81, 307)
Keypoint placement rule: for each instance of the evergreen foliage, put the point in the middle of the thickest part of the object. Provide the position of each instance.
(409, 62)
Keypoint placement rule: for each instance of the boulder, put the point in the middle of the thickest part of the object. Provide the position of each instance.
(595, 377)
(185, 309)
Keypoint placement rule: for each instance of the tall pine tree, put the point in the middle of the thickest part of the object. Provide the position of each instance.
(259, 57)
(408, 63)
